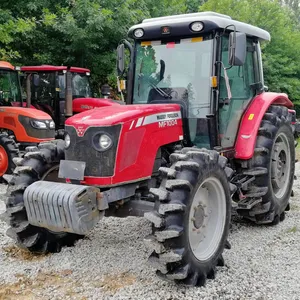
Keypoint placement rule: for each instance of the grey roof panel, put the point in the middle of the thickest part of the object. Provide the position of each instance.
(222, 21)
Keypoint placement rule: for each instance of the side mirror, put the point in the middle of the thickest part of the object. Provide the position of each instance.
(121, 59)
(237, 48)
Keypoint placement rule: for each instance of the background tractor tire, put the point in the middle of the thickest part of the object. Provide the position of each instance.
(8, 151)
(191, 217)
(39, 163)
(274, 162)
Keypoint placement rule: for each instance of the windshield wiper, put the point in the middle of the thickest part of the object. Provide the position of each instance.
(159, 90)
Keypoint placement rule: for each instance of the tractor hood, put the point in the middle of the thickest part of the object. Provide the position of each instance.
(83, 104)
(117, 114)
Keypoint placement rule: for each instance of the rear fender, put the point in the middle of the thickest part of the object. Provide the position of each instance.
(251, 120)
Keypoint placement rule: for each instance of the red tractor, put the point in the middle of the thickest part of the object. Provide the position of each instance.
(198, 131)
(60, 91)
(19, 127)
(47, 88)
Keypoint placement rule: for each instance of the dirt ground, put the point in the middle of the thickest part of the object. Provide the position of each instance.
(111, 263)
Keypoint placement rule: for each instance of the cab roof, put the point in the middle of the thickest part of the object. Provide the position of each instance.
(180, 25)
(6, 65)
(49, 68)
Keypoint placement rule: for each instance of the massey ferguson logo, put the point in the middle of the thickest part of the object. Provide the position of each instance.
(80, 131)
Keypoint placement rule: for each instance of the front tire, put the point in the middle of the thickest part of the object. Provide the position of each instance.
(38, 164)
(192, 216)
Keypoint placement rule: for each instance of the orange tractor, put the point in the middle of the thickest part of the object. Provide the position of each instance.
(25, 126)
(199, 131)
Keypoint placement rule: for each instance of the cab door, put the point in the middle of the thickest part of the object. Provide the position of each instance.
(241, 81)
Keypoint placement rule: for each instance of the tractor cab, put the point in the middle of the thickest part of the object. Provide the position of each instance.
(10, 89)
(47, 88)
(206, 62)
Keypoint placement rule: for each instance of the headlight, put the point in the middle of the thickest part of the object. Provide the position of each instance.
(138, 33)
(52, 125)
(38, 124)
(67, 141)
(196, 26)
(105, 141)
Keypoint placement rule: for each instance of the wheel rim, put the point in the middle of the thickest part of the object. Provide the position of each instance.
(207, 219)
(3, 161)
(281, 165)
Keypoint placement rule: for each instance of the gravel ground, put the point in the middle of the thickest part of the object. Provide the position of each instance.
(111, 264)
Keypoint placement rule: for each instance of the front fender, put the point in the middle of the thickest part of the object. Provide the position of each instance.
(251, 120)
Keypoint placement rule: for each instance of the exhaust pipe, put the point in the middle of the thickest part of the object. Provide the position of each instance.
(69, 96)
(28, 90)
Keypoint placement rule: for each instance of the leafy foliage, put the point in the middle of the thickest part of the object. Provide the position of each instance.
(86, 32)
(281, 59)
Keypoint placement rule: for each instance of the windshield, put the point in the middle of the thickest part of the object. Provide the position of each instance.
(81, 87)
(10, 90)
(178, 70)
(42, 87)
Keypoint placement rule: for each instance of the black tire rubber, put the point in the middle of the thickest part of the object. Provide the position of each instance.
(271, 209)
(32, 167)
(172, 256)
(9, 145)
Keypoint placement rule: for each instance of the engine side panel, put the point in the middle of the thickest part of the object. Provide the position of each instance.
(246, 139)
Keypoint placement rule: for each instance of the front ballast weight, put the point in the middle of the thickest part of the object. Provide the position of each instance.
(62, 207)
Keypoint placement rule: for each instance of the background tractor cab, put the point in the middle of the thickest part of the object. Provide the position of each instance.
(199, 131)
(10, 90)
(25, 126)
(47, 88)
(61, 91)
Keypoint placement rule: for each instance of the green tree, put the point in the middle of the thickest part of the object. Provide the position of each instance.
(10, 27)
(280, 56)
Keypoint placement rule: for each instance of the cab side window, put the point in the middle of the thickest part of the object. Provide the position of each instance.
(240, 80)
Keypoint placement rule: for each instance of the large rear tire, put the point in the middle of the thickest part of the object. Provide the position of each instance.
(274, 159)
(38, 164)
(192, 217)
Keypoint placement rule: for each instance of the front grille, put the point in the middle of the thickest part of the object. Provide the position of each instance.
(98, 164)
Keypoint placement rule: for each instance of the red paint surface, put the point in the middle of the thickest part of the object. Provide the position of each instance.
(83, 104)
(246, 139)
(116, 114)
(48, 68)
(138, 146)
(171, 45)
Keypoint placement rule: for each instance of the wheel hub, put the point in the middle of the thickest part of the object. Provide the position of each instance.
(207, 218)
(280, 168)
(199, 217)
(281, 165)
